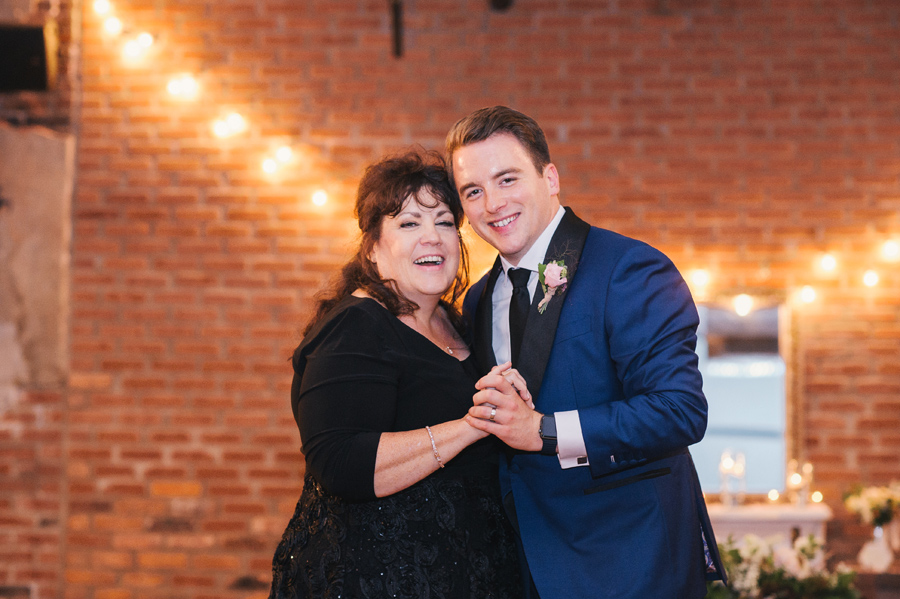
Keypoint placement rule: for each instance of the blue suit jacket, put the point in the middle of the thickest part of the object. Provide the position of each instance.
(618, 346)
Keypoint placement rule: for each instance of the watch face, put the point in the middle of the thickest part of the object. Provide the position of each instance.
(548, 427)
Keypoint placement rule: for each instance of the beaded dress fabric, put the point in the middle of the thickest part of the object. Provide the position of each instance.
(359, 373)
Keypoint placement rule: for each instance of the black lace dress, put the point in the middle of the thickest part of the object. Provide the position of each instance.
(358, 373)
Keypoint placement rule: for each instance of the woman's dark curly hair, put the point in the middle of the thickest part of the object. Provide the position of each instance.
(384, 188)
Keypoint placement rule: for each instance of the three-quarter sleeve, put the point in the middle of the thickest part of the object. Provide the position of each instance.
(345, 395)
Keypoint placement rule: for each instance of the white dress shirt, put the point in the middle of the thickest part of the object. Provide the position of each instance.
(570, 439)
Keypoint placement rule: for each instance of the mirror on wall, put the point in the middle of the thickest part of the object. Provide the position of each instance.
(746, 381)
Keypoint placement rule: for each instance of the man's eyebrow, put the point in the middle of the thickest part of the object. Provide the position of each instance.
(503, 173)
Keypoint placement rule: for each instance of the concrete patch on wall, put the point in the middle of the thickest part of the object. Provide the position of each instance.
(12, 367)
(36, 180)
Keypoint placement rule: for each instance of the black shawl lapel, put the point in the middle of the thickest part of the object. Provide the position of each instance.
(484, 322)
(540, 329)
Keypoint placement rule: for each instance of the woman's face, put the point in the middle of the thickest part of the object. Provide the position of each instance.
(419, 248)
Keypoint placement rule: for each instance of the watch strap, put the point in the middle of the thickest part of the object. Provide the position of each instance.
(547, 431)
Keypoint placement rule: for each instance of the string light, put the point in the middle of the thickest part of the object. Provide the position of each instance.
(137, 47)
(817, 497)
(319, 197)
(102, 7)
(890, 250)
(828, 263)
(112, 26)
(284, 153)
(270, 165)
(774, 495)
(870, 278)
(743, 304)
(808, 294)
(183, 86)
(231, 125)
(700, 278)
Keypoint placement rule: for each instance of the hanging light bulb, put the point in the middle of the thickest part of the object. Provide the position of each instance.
(232, 124)
(236, 122)
(145, 40)
(828, 263)
(102, 7)
(808, 294)
(112, 26)
(269, 165)
(136, 48)
(320, 197)
(890, 250)
(700, 278)
(183, 86)
(870, 278)
(284, 153)
(743, 304)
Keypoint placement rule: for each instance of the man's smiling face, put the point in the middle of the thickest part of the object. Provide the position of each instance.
(507, 200)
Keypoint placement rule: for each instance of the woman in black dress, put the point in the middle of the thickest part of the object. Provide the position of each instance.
(401, 496)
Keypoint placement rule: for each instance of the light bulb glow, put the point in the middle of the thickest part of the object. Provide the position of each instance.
(102, 7)
(112, 26)
(828, 263)
(774, 495)
(700, 278)
(870, 278)
(269, 165)
(808, 294)
(221, 129)
(891, 250)
(133, 50)
(319, 197)
(284, 153)
(235, 122)
(145, 40)
(817, 497)
(795, 479)
(232, 124)
(183, 86)
(743, 304)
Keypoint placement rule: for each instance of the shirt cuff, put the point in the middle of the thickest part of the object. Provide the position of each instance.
(570, 440)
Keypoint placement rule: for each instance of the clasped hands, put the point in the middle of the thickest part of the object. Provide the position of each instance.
(504, 408)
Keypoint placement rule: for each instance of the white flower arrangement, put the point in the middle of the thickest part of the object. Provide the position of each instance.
(875, 506)
(764, 568)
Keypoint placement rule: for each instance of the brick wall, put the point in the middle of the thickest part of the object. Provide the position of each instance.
(742, 136)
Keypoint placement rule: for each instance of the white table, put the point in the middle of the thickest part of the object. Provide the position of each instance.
(769, 519)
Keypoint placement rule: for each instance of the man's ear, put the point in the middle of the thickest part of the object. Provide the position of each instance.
(551, 176)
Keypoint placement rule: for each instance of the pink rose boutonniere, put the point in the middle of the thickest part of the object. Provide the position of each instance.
(552, 276)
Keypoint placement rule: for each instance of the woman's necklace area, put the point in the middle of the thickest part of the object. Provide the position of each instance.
(434, 338)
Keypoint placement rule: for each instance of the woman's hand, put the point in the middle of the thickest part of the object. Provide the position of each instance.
(513, 377)
(504, 407)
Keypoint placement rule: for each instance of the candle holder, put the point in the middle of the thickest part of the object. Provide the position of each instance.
(798, 482)
(732, 470)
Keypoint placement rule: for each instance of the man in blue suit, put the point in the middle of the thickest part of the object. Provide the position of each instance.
(598, 477)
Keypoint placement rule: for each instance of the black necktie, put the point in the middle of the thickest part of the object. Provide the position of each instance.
(518, 310)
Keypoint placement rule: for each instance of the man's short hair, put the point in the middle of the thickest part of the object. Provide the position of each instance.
(486, 122)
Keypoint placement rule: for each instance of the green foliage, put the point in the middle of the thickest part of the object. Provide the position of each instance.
(761, 569)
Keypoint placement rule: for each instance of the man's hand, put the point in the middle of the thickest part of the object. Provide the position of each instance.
(500, 410)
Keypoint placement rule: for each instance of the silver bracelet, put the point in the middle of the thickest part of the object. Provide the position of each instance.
(437, 456)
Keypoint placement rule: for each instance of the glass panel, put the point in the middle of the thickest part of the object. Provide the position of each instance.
(744, 379)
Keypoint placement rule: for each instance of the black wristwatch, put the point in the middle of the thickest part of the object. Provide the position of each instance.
(547, 431)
